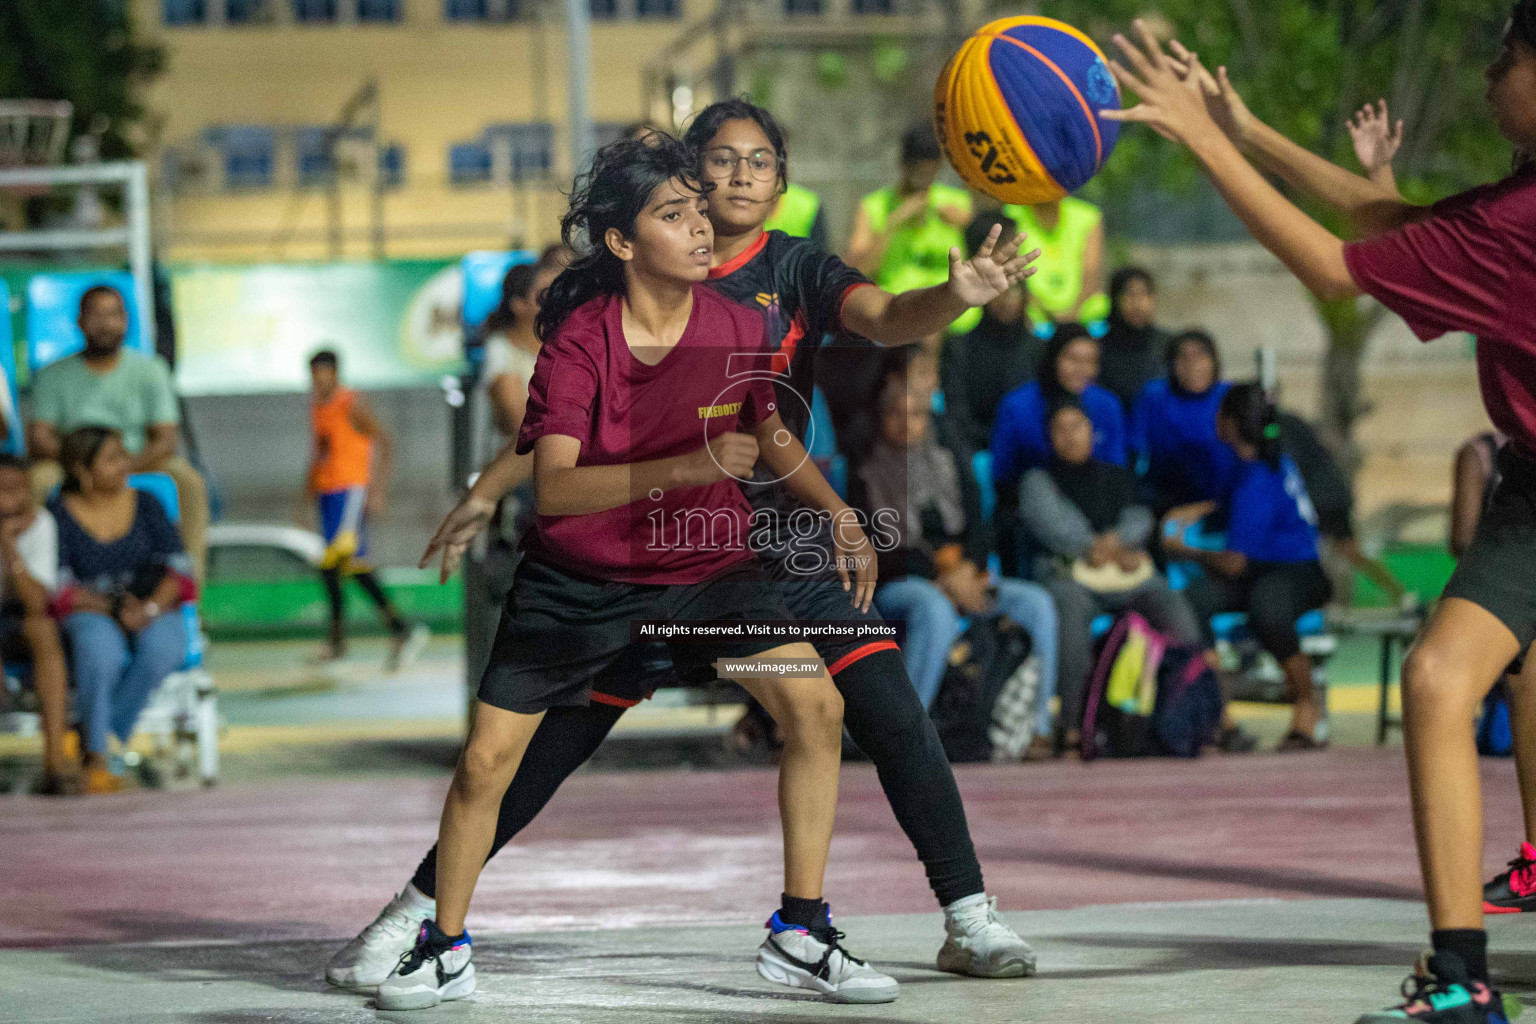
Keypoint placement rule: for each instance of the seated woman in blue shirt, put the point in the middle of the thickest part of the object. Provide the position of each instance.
(1269, 567)
(123, 576)
(1020, 435)
(1173, 429)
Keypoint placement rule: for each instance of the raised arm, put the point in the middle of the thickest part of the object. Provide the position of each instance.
(1179, 112)
(1369, 206)
(888, 319)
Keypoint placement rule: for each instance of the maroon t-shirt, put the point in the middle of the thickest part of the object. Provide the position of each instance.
(1470, 267)
(588, 384)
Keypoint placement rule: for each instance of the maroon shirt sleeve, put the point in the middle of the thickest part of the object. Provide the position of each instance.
(1449, 272)
(563, 391)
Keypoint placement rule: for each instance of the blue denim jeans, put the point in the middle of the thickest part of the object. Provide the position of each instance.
(934, 624)
(115, 675)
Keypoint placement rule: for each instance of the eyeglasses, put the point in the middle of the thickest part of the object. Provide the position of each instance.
(722, 162)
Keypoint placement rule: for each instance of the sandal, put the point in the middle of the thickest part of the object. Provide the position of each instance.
(1236, 740)
(1295, 742)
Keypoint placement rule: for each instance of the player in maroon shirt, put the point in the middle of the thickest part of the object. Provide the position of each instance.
(1465, 264)
(639, 437)
(805, 293)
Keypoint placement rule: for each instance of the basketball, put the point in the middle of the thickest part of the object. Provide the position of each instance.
(1017, 110)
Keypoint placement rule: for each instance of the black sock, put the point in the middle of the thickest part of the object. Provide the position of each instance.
(1471, 944)
(441, 939)
(801, 913)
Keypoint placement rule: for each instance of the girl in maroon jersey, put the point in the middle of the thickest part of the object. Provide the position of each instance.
(1465, 264)
(640, 440)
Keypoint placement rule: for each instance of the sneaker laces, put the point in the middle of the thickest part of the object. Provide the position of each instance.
(833, 939)
(420, 953)
(982, 919)
(395, 919)
(1522, 873)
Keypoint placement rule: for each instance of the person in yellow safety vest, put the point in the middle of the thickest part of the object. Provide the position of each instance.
(1069, 286)
(799, 214)
(902, 235)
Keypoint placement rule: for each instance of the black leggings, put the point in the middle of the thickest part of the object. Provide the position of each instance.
(884, 717)
(370, 584)
(1274, 594)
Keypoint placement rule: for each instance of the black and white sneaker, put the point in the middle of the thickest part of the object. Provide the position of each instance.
(437, 969)
(814, 959)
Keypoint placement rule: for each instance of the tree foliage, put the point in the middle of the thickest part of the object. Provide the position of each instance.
(83, 51)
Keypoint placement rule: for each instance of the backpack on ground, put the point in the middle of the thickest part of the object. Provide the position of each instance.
(985, 661)
(1122, 691)
(1149, 699)
(1189, 702)
(1494, 735)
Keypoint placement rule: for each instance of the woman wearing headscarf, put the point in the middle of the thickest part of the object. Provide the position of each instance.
(1131, 351)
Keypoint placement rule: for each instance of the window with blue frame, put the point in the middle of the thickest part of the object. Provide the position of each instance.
(656, 8)
(531, 147)
(378, 10)
(469, 163)
(247, 12)
(185, 12)
(313, 156)
(248, 154)
(872, 6)
(802, 6)
(482, 10)
(311, 12)
(605, 9)
(392, 165)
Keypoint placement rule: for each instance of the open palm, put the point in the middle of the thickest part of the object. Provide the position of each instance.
(992, 271)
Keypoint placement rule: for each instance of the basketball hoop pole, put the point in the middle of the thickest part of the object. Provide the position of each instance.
(133, 177)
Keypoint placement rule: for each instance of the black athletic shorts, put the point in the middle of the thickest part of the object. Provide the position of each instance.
(559, 629)
(810, 596)
(14, 648)
(1498, 571)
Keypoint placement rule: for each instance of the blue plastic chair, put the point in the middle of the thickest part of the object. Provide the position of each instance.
(16, 443)
(53, 307)
(981, 469)
(163, 488)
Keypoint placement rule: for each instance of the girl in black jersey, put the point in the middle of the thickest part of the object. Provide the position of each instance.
(806, 293)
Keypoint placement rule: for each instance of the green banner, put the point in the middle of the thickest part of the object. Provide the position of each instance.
(242, 329)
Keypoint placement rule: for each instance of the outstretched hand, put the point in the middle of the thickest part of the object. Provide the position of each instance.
(1174, 100)
(1376, 136)
(457, 531)
(992, 271)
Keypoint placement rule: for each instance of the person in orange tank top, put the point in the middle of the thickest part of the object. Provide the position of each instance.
(341, 480)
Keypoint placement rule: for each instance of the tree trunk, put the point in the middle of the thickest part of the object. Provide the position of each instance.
(1348, 324)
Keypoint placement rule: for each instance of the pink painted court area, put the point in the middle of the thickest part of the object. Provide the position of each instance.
(1280, 884)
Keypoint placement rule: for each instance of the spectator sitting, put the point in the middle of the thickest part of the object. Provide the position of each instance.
(29, 571)
(123, 575)
(114, 386)
(1475, 476)
(1173, 428)
(1132, 350)
(935, 573)
(1000, 354)
(1269, 567)
(1082, 515)
(1333, 497)
(1068, 366)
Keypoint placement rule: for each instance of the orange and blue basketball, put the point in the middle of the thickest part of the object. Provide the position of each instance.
(1017, 110)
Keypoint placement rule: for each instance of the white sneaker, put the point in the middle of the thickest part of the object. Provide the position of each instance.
(436, 970)
(369, 958)
(404, 650)
(980, 944)
(792, 956)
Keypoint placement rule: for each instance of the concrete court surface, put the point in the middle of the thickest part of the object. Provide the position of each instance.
(1227, 889)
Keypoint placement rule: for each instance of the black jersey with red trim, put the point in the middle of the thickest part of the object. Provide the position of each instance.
(799, 288)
